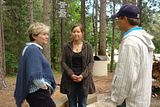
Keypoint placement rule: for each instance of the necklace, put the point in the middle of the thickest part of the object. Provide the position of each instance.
(77, 47)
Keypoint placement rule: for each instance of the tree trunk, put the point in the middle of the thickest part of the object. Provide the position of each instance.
(113, 40)
(102, 50)
(2, 49)
(30, 11)
(95, 27)
(83, 16)
(46, 20)
(53, 50)
(140, 7)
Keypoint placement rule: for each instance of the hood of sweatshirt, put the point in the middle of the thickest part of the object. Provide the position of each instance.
(145, 37)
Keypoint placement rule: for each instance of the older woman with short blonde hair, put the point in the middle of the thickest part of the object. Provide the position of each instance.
(35, 81)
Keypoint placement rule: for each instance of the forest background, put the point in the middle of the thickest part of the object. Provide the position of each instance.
(100, 31)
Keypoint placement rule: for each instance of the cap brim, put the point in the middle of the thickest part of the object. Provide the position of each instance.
(114, 16)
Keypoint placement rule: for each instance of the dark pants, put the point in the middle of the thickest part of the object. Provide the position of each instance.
(122, 105)
(76, 97)
(40, 98)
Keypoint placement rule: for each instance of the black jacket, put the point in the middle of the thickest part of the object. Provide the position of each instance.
(87, 65)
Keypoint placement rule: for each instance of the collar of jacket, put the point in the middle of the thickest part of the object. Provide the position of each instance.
(70, 45)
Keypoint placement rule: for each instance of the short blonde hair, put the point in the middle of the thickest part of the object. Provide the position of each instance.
(37, 28)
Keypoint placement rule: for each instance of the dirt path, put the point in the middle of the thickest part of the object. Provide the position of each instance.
(103, 85)
(6, 95)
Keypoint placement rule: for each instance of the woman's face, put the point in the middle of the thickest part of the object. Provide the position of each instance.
(77, 34)
(41, 38)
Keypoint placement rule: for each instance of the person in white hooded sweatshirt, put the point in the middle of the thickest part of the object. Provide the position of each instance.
(132, 81)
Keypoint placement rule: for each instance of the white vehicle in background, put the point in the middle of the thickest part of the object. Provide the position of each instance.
(157, 57)
(116, 57)
(108, 53)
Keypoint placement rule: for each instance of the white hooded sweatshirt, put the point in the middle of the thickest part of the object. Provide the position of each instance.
(132, 81)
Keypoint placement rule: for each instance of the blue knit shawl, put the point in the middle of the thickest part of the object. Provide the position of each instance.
(33, 65)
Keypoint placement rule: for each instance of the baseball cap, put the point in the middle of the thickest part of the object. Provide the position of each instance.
(128, 10)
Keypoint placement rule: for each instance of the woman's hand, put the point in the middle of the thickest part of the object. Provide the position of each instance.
(77, 78)
(45, 87)
(74, 77)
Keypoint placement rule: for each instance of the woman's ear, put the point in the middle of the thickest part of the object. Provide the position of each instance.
(34, 36)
